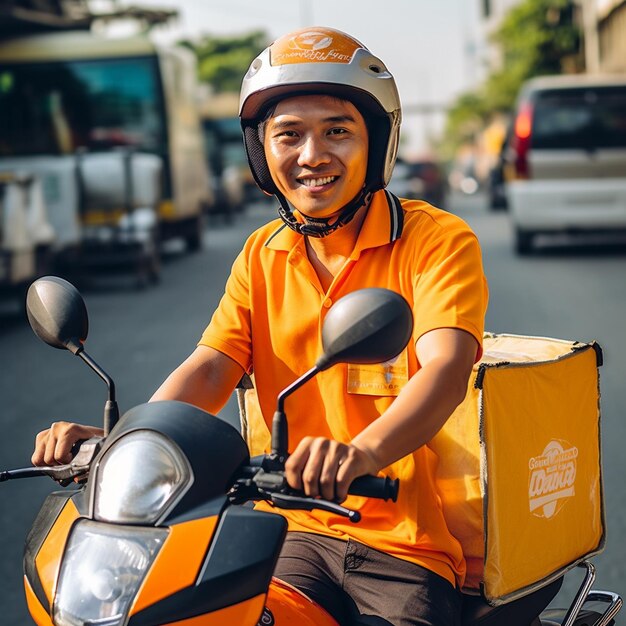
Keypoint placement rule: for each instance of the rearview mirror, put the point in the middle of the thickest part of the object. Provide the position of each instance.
(369, 325)
(366, 326)
(57, 313)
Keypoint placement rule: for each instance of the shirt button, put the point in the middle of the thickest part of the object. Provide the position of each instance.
(328, 303)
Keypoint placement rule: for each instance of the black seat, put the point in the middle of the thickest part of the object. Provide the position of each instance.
(476, 611)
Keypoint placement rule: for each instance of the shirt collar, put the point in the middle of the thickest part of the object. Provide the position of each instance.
(382, 225)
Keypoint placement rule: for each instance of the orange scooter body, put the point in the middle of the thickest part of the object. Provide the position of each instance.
(213, 561)
(287, 605)
(170, 573)
(43, 553)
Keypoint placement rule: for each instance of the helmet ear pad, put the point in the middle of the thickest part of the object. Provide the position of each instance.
(378, 126)
(256, 156)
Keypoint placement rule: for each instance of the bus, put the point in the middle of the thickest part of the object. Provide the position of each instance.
(65, 96)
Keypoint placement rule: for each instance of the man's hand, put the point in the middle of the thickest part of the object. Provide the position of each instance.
(53, 446)
(325, 467)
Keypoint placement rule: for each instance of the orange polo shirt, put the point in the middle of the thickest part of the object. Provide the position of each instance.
(269, 321)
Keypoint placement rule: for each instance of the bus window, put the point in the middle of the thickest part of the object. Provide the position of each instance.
(57, 108)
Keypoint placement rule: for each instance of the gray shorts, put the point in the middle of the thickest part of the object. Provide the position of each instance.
(359, 585)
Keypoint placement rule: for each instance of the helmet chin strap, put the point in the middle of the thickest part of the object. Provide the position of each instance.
(321, 226)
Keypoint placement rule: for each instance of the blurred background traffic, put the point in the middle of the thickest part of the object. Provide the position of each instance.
(119, 131)
(122, 168)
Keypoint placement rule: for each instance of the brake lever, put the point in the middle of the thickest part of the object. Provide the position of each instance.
(285, 501)
(84, 452)
(63, 474)
(273, 486)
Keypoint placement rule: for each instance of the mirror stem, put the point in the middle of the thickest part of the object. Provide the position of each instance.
(287, 391)
(111, 410)
(111, 416)
(280, 438)
(280, 432)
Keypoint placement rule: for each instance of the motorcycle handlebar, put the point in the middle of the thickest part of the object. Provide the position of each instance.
(368, 486)
(375, 487)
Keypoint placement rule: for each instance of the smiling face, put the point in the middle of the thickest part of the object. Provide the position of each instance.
(316, 149)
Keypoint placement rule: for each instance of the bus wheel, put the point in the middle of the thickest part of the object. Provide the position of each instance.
(523, 242)
(149, 262)
(149, 271)
(194, 238)
(153, 268)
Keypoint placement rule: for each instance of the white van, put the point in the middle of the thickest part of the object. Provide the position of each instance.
(565, 160)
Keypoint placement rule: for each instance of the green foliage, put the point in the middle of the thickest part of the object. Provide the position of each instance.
(465, 119)
(536, 37)
(222, 61)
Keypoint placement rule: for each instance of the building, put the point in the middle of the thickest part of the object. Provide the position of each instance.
(19, 17)
(611, 16)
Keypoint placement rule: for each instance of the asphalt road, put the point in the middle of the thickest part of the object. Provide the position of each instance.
(569, 292)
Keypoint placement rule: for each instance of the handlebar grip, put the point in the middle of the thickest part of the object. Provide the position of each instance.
(375, 487)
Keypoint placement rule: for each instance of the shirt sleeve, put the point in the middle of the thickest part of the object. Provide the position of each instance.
(450, 289)
(229, 330)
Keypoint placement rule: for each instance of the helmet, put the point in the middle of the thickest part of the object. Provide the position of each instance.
(322, 60)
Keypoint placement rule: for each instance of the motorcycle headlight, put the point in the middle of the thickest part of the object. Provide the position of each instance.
(101, 572)
(140, 477)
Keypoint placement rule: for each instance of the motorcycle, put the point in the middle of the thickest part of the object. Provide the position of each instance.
(158, 530)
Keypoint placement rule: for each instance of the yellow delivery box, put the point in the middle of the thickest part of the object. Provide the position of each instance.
(519, 464)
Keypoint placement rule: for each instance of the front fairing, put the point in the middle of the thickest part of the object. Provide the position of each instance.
(44, 550)
(228, 579)
(216, 560)
(210, 565)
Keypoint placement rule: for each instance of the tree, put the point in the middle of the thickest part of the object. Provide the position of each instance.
(222, 61)
(465, 119)
(536, 37)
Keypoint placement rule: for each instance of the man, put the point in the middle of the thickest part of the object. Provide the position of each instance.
(321, 120)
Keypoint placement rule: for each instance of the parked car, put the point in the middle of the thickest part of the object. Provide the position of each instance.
(432, 181)
(227, 157)
(496, 189)
(565, 165)
(463, 177)
(420, 180)
(401, 184)
(496, 184)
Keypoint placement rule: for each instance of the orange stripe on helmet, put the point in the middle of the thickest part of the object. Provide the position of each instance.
(314, 45)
